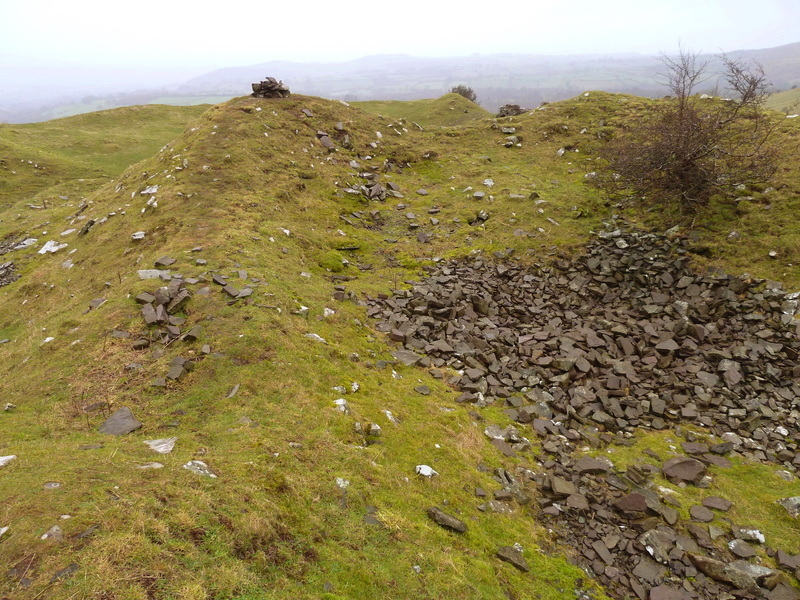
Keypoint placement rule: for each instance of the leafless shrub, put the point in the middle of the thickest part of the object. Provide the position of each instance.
(688, 147)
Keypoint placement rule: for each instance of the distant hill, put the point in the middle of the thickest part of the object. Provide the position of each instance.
(497, 78)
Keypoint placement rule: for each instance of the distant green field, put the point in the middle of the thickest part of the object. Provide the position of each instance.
(787, 101)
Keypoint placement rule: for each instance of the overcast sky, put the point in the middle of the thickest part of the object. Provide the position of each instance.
(201, 34)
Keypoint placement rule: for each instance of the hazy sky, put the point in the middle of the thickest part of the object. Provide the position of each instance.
(181, 33)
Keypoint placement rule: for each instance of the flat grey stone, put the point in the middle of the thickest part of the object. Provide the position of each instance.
(407, 357)
(120, 422)
(152, 273)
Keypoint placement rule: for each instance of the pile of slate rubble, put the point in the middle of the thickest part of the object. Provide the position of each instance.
(8, 273)
(270, 88)
(581, 354)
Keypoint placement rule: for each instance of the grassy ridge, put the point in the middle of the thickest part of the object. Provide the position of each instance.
(275, 523)
(449, 110)
(72, 156)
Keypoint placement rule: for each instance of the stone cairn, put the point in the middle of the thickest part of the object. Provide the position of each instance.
(270, 88)
(582, 354)
(511, 110)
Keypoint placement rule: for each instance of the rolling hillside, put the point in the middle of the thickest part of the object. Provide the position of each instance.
(226, 381)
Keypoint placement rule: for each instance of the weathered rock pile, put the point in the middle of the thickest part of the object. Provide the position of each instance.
(626, 336)
(8, 273)
(584, 353)
(270, 88)
(511, 110)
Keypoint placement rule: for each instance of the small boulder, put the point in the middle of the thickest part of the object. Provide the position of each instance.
(120, 422)
(446, 521)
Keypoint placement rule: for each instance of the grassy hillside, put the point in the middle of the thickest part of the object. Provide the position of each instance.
(72, 156)
(450, 109)
(305, 504)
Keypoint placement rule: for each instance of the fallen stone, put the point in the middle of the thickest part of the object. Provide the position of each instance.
(120, 422)
(162, 446)
(165, 261)
(446, 521)
(54, 533)
(665, 592)
(513, 556)
(792, 505)
(721, 571)
(741, 549)
(199, 468)
(67, 571)
(153, 273)
(717, 503)
(684, 469)
(701, 513)
(406, 357)
(588, 464)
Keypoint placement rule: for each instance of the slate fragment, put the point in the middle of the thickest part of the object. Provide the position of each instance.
(447, 521)
(120, 422)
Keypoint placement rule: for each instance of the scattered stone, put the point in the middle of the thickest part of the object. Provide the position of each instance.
(741, 549)
(582, 353)
(67, 571)
(717, 503)
(200, 468)
(4, 460)
(701, 513)
(446, 521)
(792, 505)
(120, 422)
(52, 247)
(54, 533)
(165, 261)
(162, 446)
(152, 274)
(513, 556)
(407, 357)
(684, 469)
(587, 464)
(665, 592)
(721, 571)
